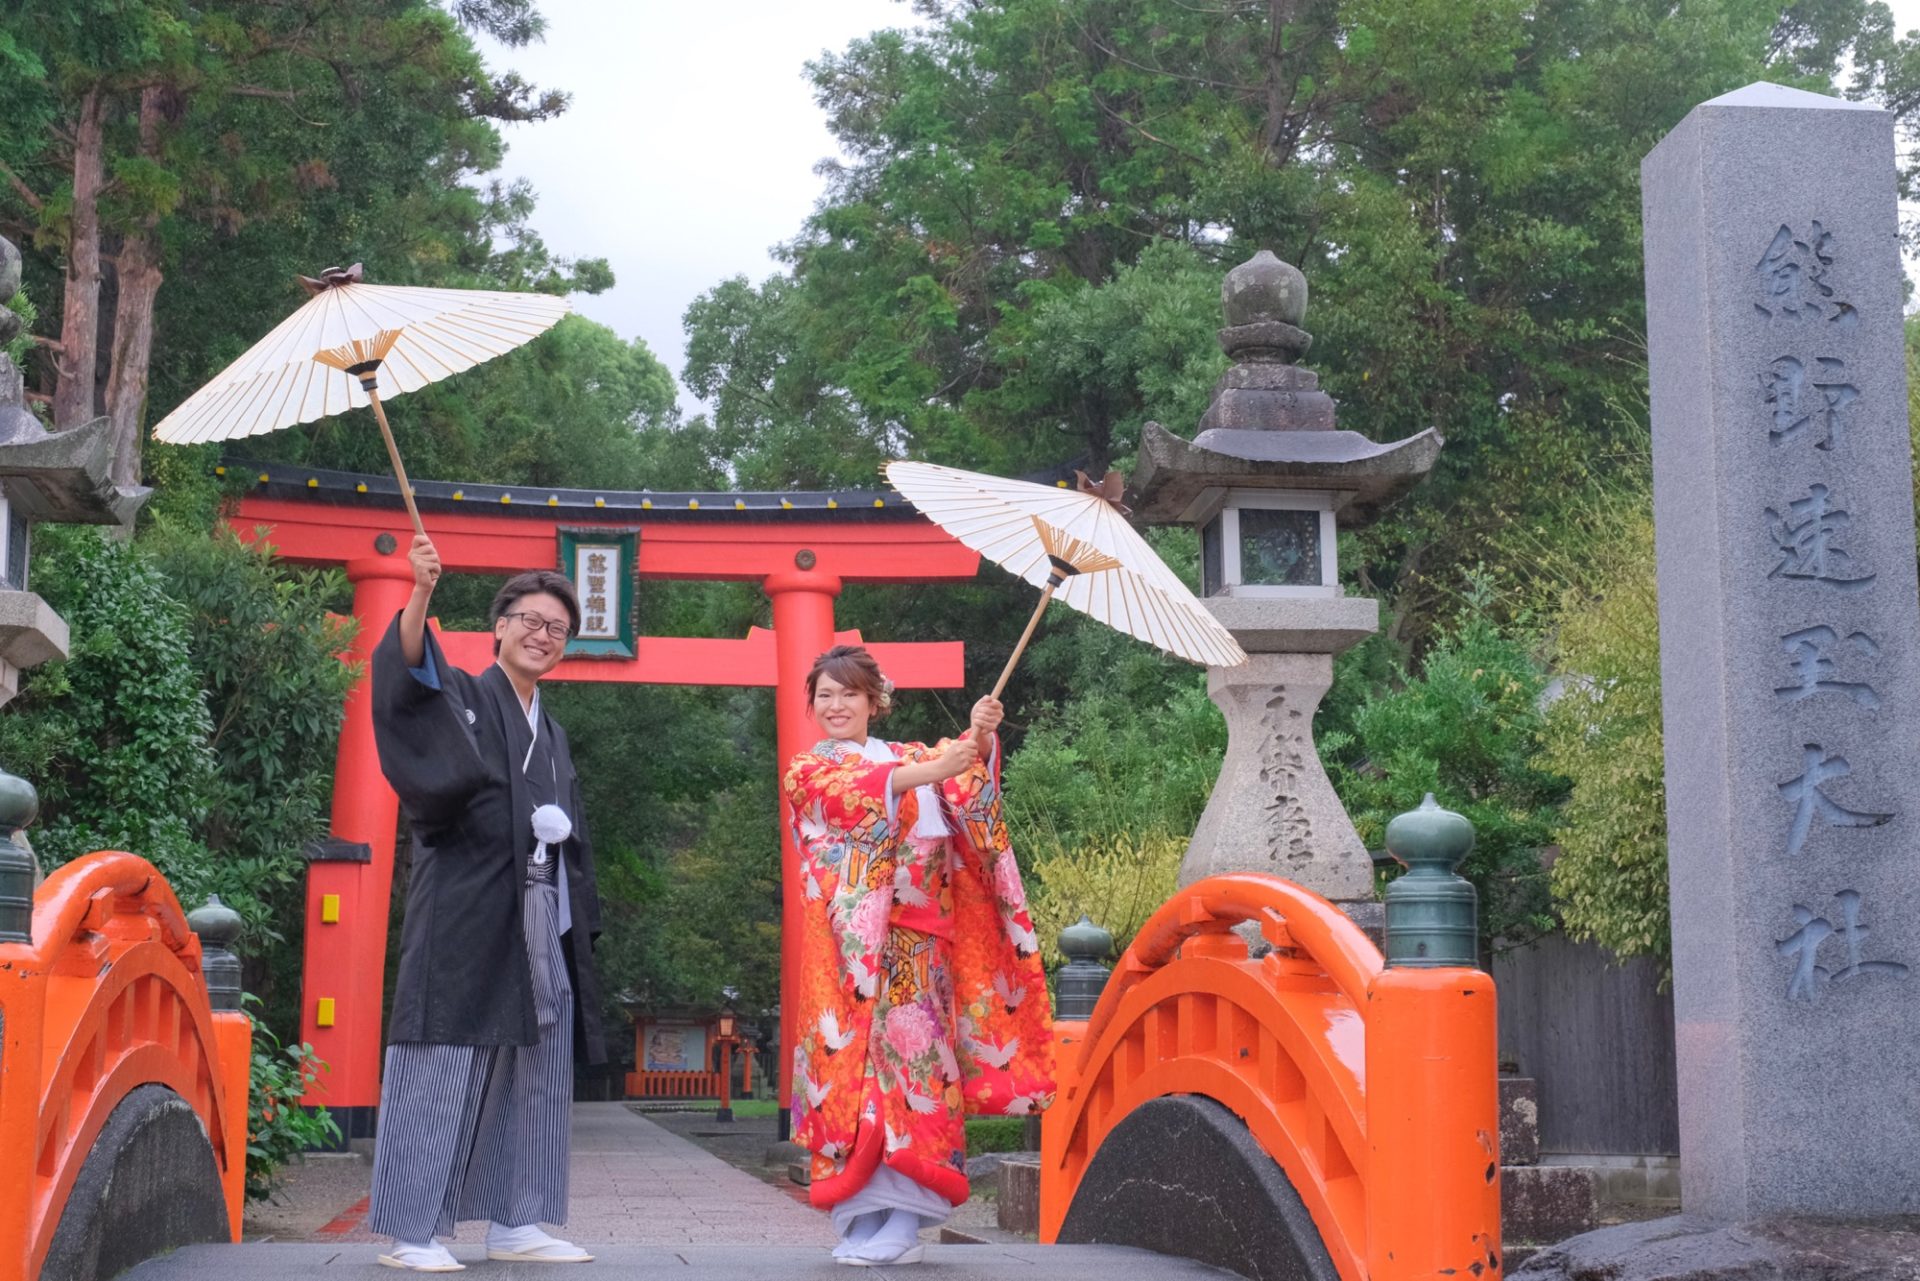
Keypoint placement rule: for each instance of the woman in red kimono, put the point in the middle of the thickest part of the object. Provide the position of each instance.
(922, 998)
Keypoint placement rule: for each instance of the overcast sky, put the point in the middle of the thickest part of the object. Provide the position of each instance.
(689, 150)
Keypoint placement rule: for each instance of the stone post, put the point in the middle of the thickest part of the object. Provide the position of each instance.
(19, 804)
(1432, 912)
(1079, 982)
(218, 926)
(1788, 623)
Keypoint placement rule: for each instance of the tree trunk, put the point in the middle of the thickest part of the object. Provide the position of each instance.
(80, 314)
(137, 280)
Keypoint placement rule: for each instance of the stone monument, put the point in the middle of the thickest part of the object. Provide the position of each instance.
(1268, 480)
(1790, 662)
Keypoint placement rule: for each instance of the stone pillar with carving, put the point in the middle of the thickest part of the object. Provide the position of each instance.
(1269, 480)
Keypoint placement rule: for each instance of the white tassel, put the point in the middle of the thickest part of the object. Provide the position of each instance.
(551, 826)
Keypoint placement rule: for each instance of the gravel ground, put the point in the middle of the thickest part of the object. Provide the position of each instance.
(313, 1193)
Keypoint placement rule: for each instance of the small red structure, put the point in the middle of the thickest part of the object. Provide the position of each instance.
(673, 1055)
(801, 548)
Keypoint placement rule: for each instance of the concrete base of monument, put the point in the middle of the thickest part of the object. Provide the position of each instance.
(1689, 1249)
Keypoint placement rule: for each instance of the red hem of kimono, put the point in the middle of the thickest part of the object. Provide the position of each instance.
(942, 1181)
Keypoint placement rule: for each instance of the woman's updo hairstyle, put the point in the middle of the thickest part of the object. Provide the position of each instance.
(852, 667)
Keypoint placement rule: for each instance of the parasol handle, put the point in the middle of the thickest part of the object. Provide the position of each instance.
(393, 455)
(1027, 635)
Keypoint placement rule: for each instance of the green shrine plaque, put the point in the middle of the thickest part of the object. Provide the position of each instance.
(603, 564)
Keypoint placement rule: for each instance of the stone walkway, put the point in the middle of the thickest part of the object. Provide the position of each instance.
(632, 1183)
(651, 1203)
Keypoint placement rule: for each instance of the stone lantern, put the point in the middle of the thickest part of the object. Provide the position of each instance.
(44, 476)
(1268, 481)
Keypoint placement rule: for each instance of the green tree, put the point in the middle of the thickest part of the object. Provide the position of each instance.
(163, 124)
(1464, 728)
(987, 282)
(1603, 733)
(114, 736)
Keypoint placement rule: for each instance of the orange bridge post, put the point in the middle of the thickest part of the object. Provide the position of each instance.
(108, 997)
(1371, 1081)
(1433, 1093)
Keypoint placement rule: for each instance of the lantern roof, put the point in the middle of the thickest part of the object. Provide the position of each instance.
(61, 476)
(1269, 425)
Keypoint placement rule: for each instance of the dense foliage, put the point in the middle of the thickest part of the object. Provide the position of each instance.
(279, 1130)
(1464, 729)
(1603, 733)
(1015, 262)
(115, 736)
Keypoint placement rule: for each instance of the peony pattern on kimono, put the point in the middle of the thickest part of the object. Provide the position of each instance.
(919, 1004)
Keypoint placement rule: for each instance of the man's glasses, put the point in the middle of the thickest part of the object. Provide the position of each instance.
(533, 622)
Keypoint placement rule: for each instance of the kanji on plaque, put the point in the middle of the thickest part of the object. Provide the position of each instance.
(600, 587)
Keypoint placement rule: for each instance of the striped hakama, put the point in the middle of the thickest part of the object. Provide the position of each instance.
(481, 1131)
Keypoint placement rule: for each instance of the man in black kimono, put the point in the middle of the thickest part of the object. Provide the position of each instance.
(495, 990)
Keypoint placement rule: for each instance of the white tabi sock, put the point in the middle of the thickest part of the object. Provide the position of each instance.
(859, 1232)
(898, 1235)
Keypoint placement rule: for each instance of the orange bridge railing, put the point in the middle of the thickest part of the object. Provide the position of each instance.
(108, 997)
(1374, 1088)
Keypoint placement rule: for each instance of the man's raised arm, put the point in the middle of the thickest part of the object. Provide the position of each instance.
(413, 619)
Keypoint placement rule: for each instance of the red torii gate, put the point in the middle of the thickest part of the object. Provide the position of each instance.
(800, 548)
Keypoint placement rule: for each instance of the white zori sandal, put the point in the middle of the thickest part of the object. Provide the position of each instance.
(531, 1245)
(431, 1257)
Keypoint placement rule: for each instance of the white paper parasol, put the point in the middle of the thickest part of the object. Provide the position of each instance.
(1077, 546)
(349, 344)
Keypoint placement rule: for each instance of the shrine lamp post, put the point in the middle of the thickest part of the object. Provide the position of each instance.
(726, 1036)
(1268, 480)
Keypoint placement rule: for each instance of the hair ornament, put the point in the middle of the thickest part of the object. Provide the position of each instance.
(886, 693)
